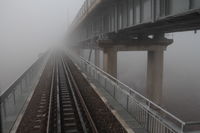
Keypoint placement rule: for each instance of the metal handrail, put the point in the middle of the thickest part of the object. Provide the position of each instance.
(24, 85)
(135, 92)
(10, 89)
(130, 91)
(193, 123)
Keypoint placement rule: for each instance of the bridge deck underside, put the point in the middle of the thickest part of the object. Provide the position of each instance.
(129, 18)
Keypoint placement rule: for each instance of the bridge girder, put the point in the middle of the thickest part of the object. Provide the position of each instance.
(132, 18)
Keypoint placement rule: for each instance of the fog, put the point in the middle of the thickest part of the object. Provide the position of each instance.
(181, 86)
(30, 27)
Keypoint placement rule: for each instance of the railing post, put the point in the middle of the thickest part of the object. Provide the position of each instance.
(114, 91)
(182, 128)
(21, 86)
(4, 108)
(85, 67)
(14, 98)
(105, 83)
(1, 121)
(147, 124)
(90, 71)
(95, 75)
(127, 102)
(98, 76)
(26, 83)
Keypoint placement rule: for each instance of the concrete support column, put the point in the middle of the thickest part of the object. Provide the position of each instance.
(97, 57)
(110, 61)
(155, 75)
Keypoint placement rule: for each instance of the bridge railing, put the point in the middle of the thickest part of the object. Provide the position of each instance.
(13, 99)
(87, 5)
(152, 117)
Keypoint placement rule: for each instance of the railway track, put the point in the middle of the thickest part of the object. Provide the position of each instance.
(57, 105)
(68, 112)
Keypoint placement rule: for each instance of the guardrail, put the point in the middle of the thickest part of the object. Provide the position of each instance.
(87, 5)
(152, 117)
(14, 98)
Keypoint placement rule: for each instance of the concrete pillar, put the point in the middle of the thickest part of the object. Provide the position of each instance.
(110, 61)
(155, 75)
(97, 57)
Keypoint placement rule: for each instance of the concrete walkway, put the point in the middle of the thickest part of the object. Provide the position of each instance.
(131, 125)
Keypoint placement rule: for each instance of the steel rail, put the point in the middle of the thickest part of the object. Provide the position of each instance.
(50, 99)
(92, 124)
(58, 102)
(83, 125)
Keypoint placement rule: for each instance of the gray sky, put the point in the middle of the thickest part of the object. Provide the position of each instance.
(28, 27)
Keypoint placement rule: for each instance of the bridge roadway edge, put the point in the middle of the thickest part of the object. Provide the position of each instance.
(125, 119)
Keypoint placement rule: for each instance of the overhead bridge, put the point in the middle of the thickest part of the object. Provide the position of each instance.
(125, 19)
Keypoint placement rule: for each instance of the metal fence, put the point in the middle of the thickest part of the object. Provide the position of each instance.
(14, 98)
(150, 116)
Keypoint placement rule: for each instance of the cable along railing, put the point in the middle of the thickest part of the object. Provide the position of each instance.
(151, 116)
(12, 100)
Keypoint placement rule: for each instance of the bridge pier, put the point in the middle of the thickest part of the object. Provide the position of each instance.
(110, 61)
(154, 77)
(154, 81)
(155, 55)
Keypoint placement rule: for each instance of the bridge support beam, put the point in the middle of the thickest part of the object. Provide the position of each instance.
(110, 61)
